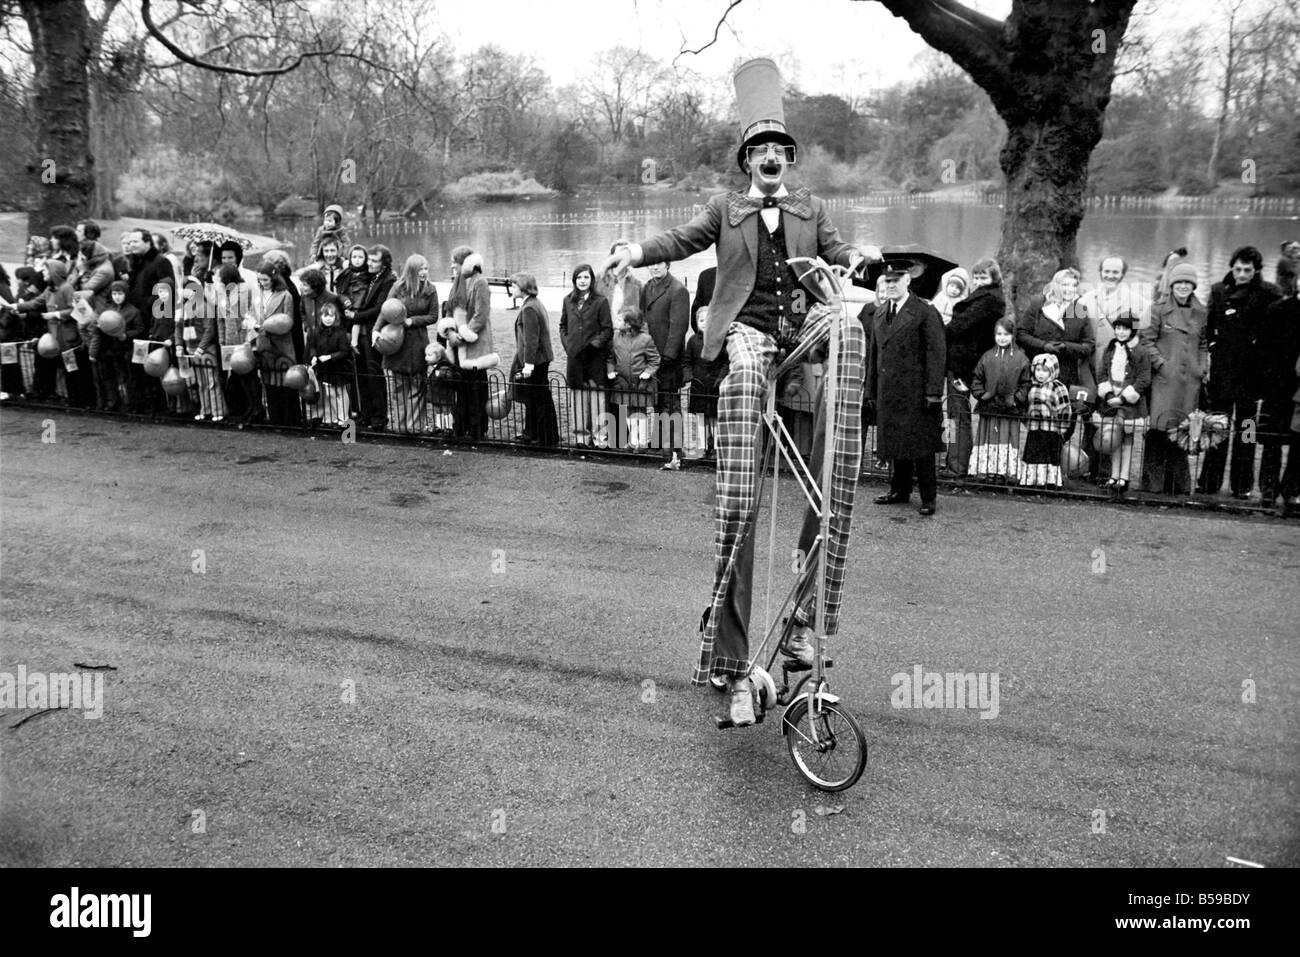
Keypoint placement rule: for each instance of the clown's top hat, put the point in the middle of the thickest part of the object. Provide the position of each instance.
(759, 105)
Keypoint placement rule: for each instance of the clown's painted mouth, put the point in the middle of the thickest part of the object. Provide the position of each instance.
(770, 169)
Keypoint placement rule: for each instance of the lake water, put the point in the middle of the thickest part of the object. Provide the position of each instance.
(550, 237)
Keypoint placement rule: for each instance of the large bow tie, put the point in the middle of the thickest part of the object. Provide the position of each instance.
(797, 203)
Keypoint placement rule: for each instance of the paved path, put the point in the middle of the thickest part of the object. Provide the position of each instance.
(501, 619)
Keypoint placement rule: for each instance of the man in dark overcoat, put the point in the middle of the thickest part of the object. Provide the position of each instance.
(905, 361)
(666, 310)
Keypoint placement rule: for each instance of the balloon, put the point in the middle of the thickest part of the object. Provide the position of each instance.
(277, 325)
(48, 346)
(296, 378)
(157, 363)
(309, 392)
(242, 360)
(1074, 461)
(1109, 437)
(393, 310)
(111, 323)
(498, 406)
(390, 338)
(173, 382)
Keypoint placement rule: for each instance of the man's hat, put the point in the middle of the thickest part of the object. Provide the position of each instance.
(759, 105)
(901, 267)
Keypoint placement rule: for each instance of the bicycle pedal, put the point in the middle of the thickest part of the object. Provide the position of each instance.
(794, 665)
(725, 722)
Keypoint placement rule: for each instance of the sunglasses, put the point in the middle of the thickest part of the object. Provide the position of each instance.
(756, 154)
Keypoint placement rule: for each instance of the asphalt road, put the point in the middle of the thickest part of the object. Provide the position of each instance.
(518, 633)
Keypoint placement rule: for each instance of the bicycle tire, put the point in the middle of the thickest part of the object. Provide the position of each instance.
(837, 727)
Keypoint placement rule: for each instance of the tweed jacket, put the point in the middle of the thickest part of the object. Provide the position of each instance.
(737, 251)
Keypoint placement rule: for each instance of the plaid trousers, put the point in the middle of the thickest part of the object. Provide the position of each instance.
(724, 647)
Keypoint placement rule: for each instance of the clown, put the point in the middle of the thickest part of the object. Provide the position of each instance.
(761, 307)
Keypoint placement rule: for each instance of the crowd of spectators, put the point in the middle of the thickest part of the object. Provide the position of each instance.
(1155, 387)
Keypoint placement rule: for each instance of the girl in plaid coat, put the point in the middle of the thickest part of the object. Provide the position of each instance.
(1048, 422)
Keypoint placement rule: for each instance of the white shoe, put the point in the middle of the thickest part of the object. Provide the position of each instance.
(742, 703)
(719, 682)
(4, 396)
(198, 418)
(218, 418)
(672, 465)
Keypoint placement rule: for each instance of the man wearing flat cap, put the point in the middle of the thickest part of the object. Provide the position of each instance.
(906, 355)
(759, 307)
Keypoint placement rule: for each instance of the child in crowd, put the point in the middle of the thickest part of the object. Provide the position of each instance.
(953, 288)
(329, 352)
(632, 364)
(1123, 378)
(332, 228)
(1001, 387)
(1048, 422)
(112, 352)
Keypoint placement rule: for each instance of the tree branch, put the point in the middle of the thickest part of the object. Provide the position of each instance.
(973, 40)
(716, 30)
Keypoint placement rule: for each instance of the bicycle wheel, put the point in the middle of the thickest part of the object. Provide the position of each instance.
(838, 756)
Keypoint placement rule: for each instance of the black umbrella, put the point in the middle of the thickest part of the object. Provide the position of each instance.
(927, 270)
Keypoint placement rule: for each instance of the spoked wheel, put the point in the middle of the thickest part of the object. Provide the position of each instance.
(837, 756)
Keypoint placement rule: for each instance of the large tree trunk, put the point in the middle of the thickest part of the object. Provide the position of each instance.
(63, 166)
(1048, 70)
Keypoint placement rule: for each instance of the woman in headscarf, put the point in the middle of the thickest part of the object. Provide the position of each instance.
(1056, 323)
(532, 363)
(586, 331)
(404, 370)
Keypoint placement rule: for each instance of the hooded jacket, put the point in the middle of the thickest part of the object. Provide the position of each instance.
(95, 275)
(1001, 381)
(945, 303)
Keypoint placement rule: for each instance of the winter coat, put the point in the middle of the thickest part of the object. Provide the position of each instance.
(632, 354)
(376, 291)
(275, 353)
(1132, 388)
(905, 364)
(335, 342)
(421, 312)
(1279, 346)
(350, 286)
(1034, 330)
(233, 304)
(95, 275)
(1231, 326)
(586, 331)
(1001, 381)
(56, 299)
(332, 276)
(533, 333)
(478, 316)
(1176, 343)
(666, 312)
(199, 322)
(970, 333)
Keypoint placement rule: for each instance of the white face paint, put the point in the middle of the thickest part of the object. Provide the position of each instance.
(767, 165)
